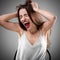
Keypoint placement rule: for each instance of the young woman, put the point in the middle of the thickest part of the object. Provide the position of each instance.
(32, 30)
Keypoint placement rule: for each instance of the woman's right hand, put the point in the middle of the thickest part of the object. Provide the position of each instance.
(35, 6)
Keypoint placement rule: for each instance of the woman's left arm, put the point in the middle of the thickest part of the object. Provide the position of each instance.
(50, 19)
(49, 16)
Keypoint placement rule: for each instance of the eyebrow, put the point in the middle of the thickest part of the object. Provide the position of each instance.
(24, 14)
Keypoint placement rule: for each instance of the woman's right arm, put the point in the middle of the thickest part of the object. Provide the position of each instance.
(8, 16)
(4, 22)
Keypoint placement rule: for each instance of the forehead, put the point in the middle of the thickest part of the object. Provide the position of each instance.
(22, 11)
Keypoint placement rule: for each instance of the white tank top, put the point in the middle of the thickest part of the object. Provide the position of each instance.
(27, 51)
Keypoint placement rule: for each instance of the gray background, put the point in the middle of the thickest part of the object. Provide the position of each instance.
(9, 39)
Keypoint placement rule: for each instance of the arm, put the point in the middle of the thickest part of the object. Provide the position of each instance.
(49, 16)
(9, 16)
(4, 22)
(50, 20)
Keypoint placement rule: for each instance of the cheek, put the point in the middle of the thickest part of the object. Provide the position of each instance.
(20, 20)
(27, 18)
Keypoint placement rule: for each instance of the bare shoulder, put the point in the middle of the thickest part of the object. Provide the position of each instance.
(13, 26)
(19, 29)
(43, 30)
(47, 26)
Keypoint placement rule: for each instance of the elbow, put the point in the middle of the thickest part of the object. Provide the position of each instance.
(53, 17)
(0, 21)
(1, 18)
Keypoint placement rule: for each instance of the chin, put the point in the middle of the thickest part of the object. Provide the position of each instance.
(28, 29)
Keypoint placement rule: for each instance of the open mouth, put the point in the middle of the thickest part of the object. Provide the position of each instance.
(27, 24)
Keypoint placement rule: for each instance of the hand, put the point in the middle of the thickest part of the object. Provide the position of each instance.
(35, 6)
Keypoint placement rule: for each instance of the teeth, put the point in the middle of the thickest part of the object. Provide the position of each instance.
(25, 22)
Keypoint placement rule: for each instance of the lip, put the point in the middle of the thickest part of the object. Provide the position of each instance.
(27, 24)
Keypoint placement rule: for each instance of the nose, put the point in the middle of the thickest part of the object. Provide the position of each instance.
(23, 19)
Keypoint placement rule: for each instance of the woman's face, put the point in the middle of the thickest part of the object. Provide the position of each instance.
(25, 19)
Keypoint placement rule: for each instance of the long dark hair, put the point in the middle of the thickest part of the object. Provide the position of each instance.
(34, 16)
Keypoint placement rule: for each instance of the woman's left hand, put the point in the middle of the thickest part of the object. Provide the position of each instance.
(35, 6)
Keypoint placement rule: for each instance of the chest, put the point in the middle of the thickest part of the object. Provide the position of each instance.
(33, 38)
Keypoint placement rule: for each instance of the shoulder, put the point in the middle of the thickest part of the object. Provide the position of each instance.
(20, 33)
(44, 28)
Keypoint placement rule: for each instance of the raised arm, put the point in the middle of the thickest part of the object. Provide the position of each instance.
(8, 16)
(49, 16)
(4, 22)
(50, 19)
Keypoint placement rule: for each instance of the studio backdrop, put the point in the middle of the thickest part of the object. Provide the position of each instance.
(9, 39)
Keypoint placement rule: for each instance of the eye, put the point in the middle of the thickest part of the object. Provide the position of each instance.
(26, 15)
(20, 16)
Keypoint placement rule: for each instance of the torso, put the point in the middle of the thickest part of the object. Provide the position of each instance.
(31, 46)
(32, 37)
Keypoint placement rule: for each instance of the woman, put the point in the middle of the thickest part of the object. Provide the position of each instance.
(32, 30)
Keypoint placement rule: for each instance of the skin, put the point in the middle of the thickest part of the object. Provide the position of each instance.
(25, 18)
(32, 30)
(31, 33)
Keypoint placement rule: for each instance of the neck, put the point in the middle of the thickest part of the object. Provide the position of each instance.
(33, 31)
